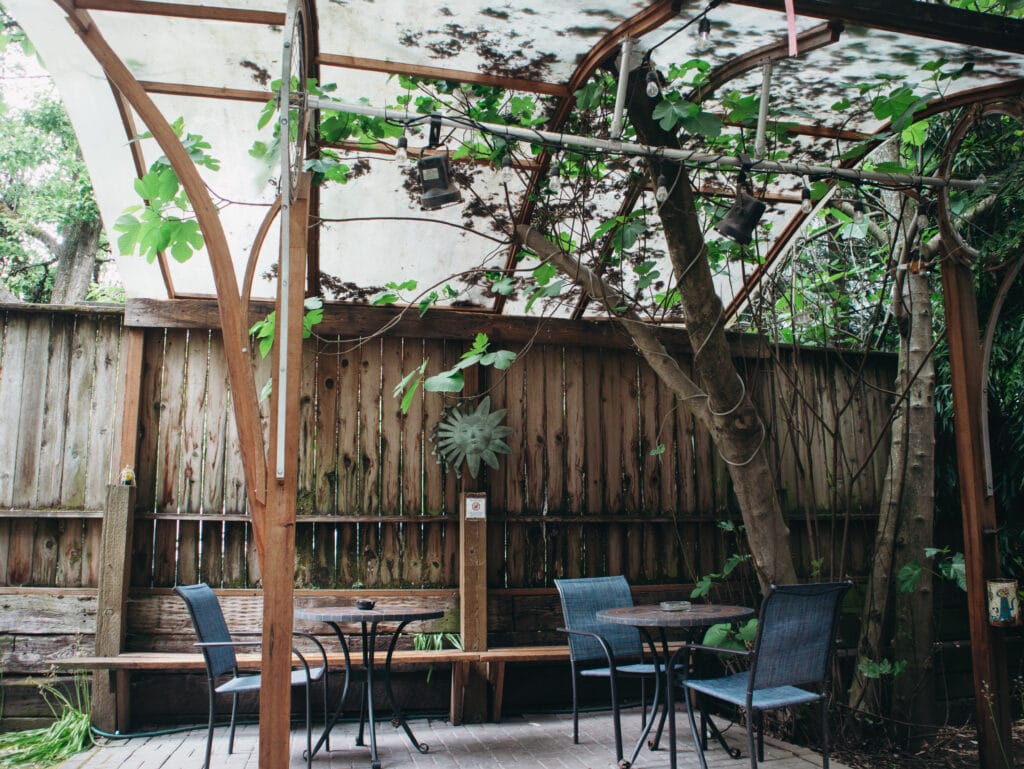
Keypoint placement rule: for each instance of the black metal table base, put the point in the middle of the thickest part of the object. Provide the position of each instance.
(367, 711)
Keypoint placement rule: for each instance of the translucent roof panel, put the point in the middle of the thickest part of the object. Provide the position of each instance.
(533, 41)
(212, 66)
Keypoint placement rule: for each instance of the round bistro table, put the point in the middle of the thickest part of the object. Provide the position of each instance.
(369, 621)
(697, 617)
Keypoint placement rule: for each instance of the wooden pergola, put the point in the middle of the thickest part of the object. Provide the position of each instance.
(141, 102)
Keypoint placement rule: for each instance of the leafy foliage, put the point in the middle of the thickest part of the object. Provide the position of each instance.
(69, 734)
(452, 380)
(45, 192)
(165, 222)
(882, 668)
(947, 565)
(725, 636)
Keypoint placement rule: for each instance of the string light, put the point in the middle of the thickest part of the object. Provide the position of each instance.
(661, 189)
(505, 174)
(653, 88)
(704, 34)
(858, 212)
(806, 205)
(555, 179)
(402, 150)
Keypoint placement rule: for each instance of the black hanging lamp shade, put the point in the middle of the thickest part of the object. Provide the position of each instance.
(739, 223)
(436, 188)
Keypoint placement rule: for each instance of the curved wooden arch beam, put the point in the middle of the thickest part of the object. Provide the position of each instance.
(652, 17)
(1011, 89)
(647, 20)
(246, 405)
(812, 39)
(254, 255)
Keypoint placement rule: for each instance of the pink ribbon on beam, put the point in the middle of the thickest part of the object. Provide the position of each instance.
(791, 23)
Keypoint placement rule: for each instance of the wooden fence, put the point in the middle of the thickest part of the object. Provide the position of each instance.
(607, 473)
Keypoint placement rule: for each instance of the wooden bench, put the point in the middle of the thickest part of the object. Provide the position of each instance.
(194, 660)
(495, 659)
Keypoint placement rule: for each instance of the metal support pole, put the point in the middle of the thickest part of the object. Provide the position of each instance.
(630, 149)
(762, 114)
(620, 93)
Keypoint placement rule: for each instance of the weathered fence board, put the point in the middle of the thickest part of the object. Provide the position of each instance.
(15, 348)
(608, 471)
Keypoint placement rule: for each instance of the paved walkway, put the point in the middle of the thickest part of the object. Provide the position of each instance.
(520, 742)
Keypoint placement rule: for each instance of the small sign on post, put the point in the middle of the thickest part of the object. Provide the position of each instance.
(476, 506)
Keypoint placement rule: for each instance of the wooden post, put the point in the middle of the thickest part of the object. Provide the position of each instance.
(277, 558)
(988, 651)
(110, 692)
(469, 680)
(110, 706)
(469, 684)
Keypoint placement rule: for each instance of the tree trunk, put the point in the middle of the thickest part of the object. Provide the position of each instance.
(913, 636)
(907, 505)
(719, 397)
(736, 428)
(76, 261)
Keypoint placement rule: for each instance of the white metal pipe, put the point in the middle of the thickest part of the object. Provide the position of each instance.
(644, 150)
(620, 93)
(283, 271)
(762, 114)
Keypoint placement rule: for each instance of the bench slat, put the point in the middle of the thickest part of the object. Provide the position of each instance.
(194, 660)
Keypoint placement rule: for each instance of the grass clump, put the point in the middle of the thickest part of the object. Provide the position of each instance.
(70, 733)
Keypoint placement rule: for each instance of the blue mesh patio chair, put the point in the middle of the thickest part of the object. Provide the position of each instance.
(789, 662)
(599, 649)
(218, 649)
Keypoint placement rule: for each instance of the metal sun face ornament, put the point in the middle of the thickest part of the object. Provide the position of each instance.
(471, 437)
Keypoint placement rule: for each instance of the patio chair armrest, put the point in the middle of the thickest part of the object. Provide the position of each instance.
(719, 650)
(236, 644)
(597, 637)
(316, 642)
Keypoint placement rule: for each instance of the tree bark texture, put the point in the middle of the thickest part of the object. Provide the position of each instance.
(76, 261)
(718, 395)
(907, 506)
(914, 632)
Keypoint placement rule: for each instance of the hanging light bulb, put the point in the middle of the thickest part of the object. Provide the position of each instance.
(806, 205)
(653, 88)
(661, 189)
(555, 180)
(506, 174)
(402, 150)
(858, 212)
(704, 34)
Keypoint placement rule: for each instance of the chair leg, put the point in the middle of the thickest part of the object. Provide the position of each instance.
(617, 724)
(750, 739)
(693, 728)
(643, 703)
(575, 712)
(309, 724)
(327, 739)
(234, 715)
(824, 733)
(209, 732)
(760, 735)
